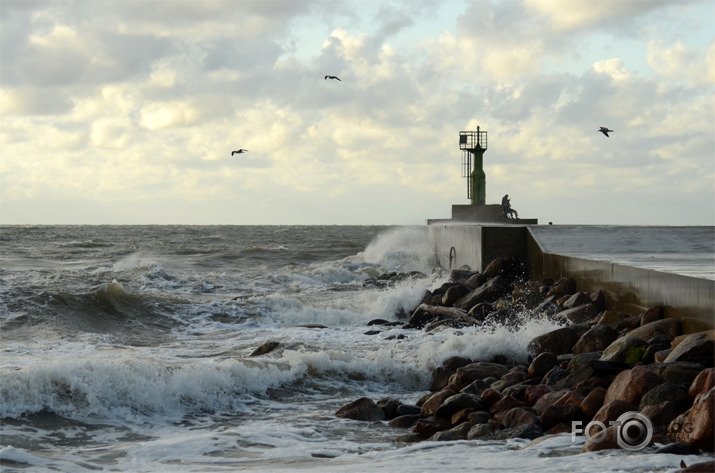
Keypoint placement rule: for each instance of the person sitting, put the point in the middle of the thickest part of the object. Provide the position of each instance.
(506, 207)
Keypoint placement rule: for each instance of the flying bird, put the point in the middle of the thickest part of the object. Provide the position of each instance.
(333, 77)
(605, 131)
(240, 151)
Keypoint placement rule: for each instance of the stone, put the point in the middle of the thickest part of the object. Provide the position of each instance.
(458, 402)
(528, 431)
(506, 403)
(558, 341)
(542, 364)
(454, 293)
(578, 315)
(652, 314)
(607, 443)
(611, 318)
(549, 399)
(511, 268)
(666, 392)
(679, 372)
(701, 467)
(404, 421)
(598, 300)
(440, 378)
(517, 416)
(428, 426)
(679, 449)
(593, 402)
(557, 414)
(479, 431)
(389, 407)
(435, 401)
(660, 356)
(626, 349)
(661, 415)
(575, 300)
(510, 379)
(461, 416)
(459, 432)
(491, 291)
(631, 385)
(703, 382)
(697, 347)
(611, 411)
(408, 409)
(479, 417)
(476, 280)
(533, 393)
(595, 339)
(454, 362)
(267, 347)
(361, 409)
(479, 370)
(564, 286)
(697, 425)
(629, 324)
(527, 294)
(481, 311)
(670, 328)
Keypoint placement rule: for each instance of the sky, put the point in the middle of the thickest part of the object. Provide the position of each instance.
(126, 112)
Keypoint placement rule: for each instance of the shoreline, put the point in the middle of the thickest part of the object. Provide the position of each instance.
(599, 373)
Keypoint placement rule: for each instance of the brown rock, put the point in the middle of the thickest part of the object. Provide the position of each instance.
(479, 370)
(512, 268)
(542, 364)
(404, 422)
(575, 300)
(491, 396)
(361, 409)
(611, 411)
(593, 402)
(626, 349)
(533, 393)
(629, 324)
(578, 315)
(564, 286)
(428, 426)
(598, 300)
(557, 414)
(703, 382)
(461, 416)
(455, 433)
(504, 404)
(670, 328)
(458, 402)
(595, 339)
(549, 399)
(697, 425)
(661, 415)
(558, 341)
(678, 372)
(516, 416)
(701, 467)
(631, 385)
(697, 347)
(608, 442)
(430, 406)
(611, 318)
(651, 315)
(660, 356)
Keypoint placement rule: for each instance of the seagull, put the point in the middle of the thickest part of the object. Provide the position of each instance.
(240, 151)
(332, 77)
(605, 131)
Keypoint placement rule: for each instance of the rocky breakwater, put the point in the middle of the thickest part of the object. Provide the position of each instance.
(584, 376)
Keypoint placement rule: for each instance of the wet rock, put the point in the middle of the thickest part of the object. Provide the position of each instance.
(491, 291)
(557, 414)
(669, 328)
(533, 393)
(703, 382)
(517, 416)
(528, 431)
(593, 402)
(697, 425)
(361, 409)
(658, 343)
(430, 406)
(461, 416)
(661, 415)
(267, 347)
(549, 399)
(578, 315)
(611, 318)
(506, 403)
(454, 293)
(528, 294)
(608, 442)
(458, 402)
(408, 409)
(625, 349)
(558, 341)
(481, 311)
(476, 280)
(480, 431)
(428, 426)
(564, 286)
(697, 347)
(511, 268)
(652, 314)
(612, 410)
(598, 338)
(679, 372)
(679, 449)
(479, 417)
(542, 364)
(479, 370)
(632, 385)
(701, 467)
(510, 379)
(459, 432)
(440, 378)
(389, 407)
(404, 421)
(575, 300)
(666, 392)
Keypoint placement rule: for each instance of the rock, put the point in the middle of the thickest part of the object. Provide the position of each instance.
(361, 409)
(454, 293)
(430, 406)
(408, 409)
(533, 393)
(479, 431)
(703, 382)
(658, 343)
(612, 410)
(611, 318)
(458, 402)
(697, 347)
(504, 404)
(459, 432)
(440, 378)
(481, 311)
(578, 315)
(542, 364)
(478, 370)
(528, 431)
(476, 280)
(479, 417)
(625, 349)
(517, 416)
(595, 339)
(554, 376)
(389, 407)
(428, 426)
(564, 286)
(632, 385)
(267, 347)
(598, 300)
(491, 291)
(666, 392)
(575, 300)
(651, 315)
(670, 328)
(608, 441)
(679, 449)
(404, 421)
(661, 415)
(558, 341)
(527, 294)
(557, 414)
(697, 425)
(491, 396)
(462, 415)
(679, 372)
(701, 467)
(454, 362)
(425, 314)
(660, 356)
(511, 268)
(510, 379)
(593, 402)
(629, 324)
(549, 399)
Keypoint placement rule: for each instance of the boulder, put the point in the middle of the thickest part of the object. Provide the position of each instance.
(425, 314)
(611, 318)
(670, 328)
(697, 425)
(652, 314)
(607, 443)
(598, 338)
(479, 370)
(558, 341)
(510, 379)
(631, 385)
(435, 401)
(491, 291)
(703, 382)
(611, 411)
(578, 315)
(549, 399)
(562, 287)
(593, 402)
(476, 280)
(428, 426)
(626, 349)
(480, 431)
(267, 347)
(679, 372)
(528, 431)
(517, 416)
(542, 364)
(389, 406)
(361, 409)
(661, 415)
(479, 417)
(575, 300)
(511, 268)
(459, 432)
(528, 294)
(454, 293)
(404, 421)
(697, 347)
(506, 403)
(557, 414)
(666, 392)
(533, 393)
(458, 402)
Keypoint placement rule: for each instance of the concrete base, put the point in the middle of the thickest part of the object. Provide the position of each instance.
(481, 213)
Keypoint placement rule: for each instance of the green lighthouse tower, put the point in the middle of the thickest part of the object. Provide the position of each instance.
(473, 145)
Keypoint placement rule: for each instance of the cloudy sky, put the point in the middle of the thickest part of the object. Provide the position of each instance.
(127, 111)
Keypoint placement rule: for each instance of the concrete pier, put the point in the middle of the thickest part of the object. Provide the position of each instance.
(635, 267)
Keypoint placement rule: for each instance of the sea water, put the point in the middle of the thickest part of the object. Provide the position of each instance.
(129, 348)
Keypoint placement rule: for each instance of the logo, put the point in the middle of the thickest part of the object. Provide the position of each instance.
(633, 431)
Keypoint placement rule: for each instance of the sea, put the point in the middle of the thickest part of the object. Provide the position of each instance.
(131, 349)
